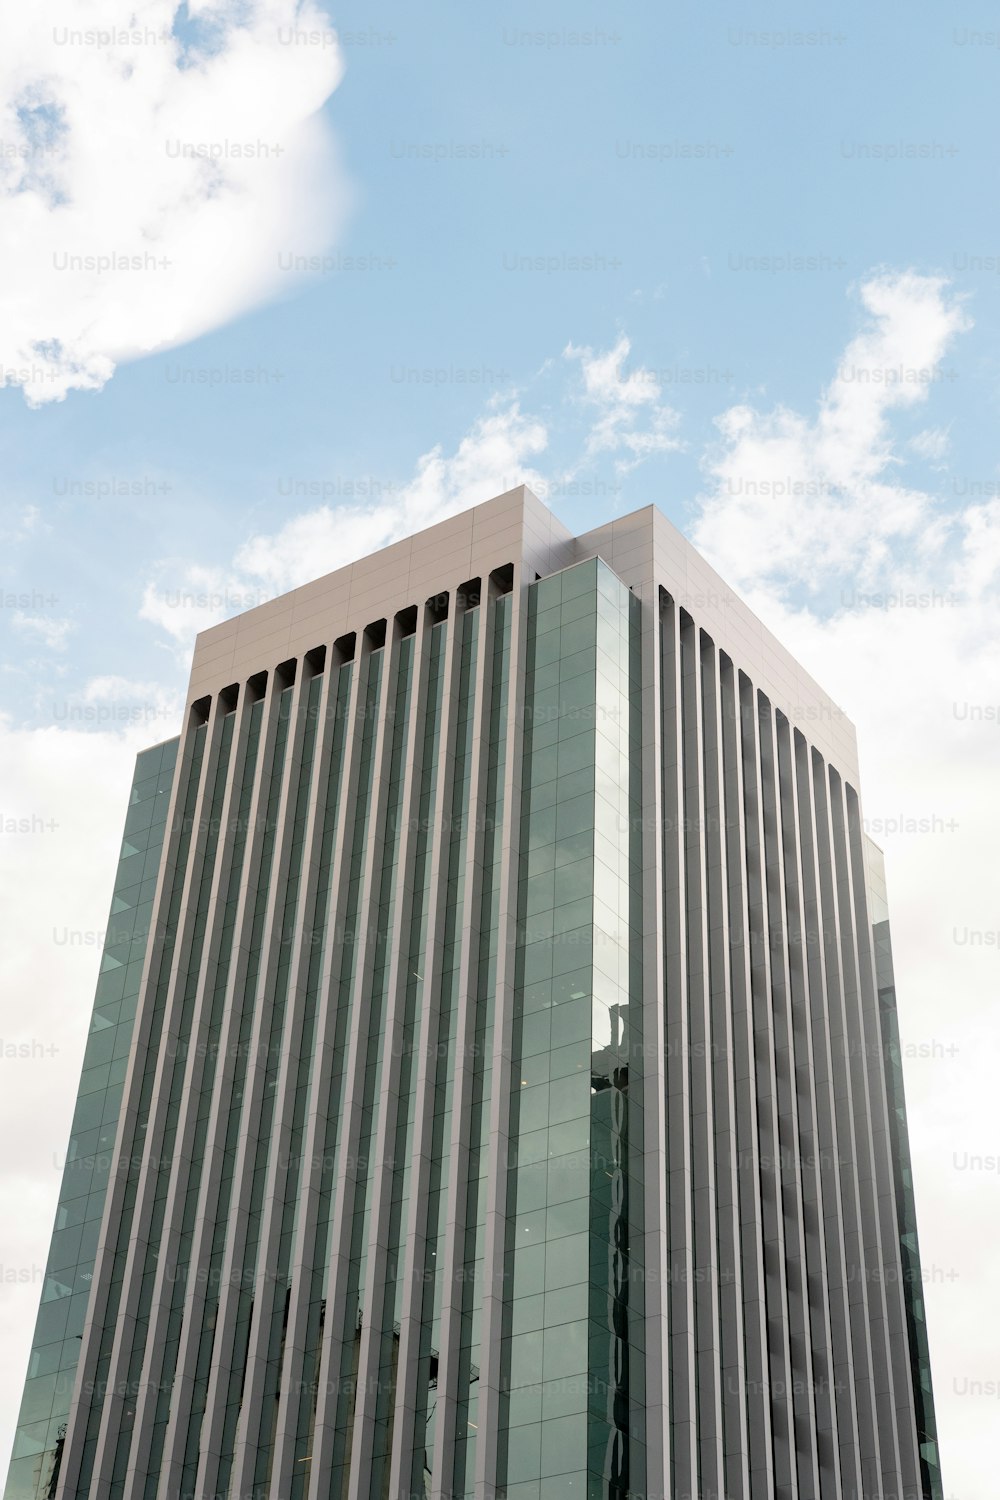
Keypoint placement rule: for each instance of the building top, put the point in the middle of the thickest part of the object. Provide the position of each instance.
(645, 550)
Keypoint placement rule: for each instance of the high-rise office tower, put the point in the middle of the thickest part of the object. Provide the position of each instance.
(493, 1087)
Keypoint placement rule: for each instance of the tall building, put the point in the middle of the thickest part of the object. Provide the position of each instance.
(493, 1086)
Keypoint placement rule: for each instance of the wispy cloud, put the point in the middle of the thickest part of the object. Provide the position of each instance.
(932, 443)
(629, 418)
(785, 487)
(51, 632)
(25, 525)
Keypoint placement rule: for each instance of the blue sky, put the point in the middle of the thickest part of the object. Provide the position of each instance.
(565, 131)
(694, 255)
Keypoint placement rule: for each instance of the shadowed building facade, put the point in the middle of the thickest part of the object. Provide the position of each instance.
(493, 1086)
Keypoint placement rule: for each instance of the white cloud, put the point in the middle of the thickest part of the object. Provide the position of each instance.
(188, 597)
(123, 701)
(784, 485)
(27, 524)
(495, 455)
(149, 188)
(931, 443)
(980, 566)
(51, 632)
(630, 418)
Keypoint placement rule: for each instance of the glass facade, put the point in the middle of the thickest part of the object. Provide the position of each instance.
(571, 1422)
(494, 1081)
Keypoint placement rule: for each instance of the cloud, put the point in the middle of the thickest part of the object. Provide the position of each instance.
(980, 565)
(27, 524)
(784, 485)
(121, 701)
(630, 418)
(154, 176)
(188, 597)
(52, 633)
(495, 455)
(931, 443)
